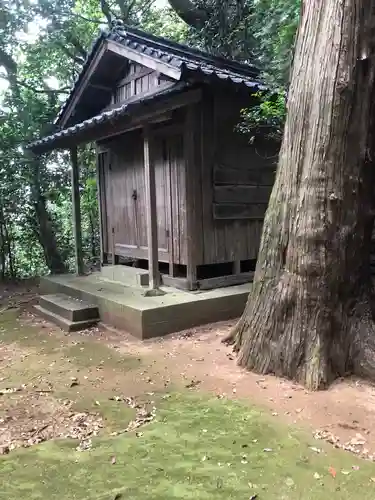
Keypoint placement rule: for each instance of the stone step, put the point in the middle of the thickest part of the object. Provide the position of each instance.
(64, 323)
(71, 309)
(126, 275)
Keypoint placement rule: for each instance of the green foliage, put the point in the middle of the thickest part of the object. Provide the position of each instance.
(261, 32)
(42, 47)
(266, 118)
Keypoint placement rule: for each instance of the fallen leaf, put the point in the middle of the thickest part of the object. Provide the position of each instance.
(10, 390)
(116, 398)
(313, 448)
(84, 445)
(192, 384)
(373, 479)
(332, 471)
(359, 440)
(113, 460)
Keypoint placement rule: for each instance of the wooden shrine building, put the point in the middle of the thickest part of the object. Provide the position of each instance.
(181, 192)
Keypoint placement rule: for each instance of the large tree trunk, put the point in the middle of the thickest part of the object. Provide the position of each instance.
(44, 225)
(309, 315)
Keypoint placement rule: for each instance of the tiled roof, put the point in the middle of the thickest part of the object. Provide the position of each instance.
(193, 65)
(105, 117)
(190, 62)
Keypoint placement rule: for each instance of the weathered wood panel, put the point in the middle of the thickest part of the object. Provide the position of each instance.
(250, 176)
(239, 211)
(178, 180)
(236, 182)
(139, 80)
(242, 194)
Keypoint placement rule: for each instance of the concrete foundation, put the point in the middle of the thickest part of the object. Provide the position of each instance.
(127, 308)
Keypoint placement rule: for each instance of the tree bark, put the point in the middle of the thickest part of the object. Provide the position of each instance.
(309, 314)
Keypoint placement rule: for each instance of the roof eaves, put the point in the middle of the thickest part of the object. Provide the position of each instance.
(105, 116)
(94, 46)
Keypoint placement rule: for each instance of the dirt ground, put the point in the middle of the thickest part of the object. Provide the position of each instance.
(343, 415)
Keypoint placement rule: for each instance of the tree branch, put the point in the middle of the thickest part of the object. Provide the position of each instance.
(46, 90)
(188, 12)
(106, 11)
(84, 18)
(75, 58)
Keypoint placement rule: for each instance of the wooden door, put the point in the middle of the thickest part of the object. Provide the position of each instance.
(172, 174)
(125, 209)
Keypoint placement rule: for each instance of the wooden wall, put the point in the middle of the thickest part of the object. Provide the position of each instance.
(212, 187)
(235, 182)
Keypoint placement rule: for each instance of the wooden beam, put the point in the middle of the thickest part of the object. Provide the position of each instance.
(86, 77)
(152, 228)
(138, 252)
(95, 86)
(134, 76)
(223, 281)
(76, 211)
(242, 194)
(264, 176)
(140, 96)
(239, 210)
(144, 59)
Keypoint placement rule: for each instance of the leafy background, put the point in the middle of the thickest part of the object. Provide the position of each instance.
(43, 44)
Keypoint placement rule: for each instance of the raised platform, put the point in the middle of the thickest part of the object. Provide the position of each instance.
(127, 308)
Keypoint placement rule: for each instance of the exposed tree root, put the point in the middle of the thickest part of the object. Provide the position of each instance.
(306, 338)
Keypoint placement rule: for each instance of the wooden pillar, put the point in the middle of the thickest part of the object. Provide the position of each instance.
(99, 170)
(190, 193)
(76, 211)
(152, 228)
